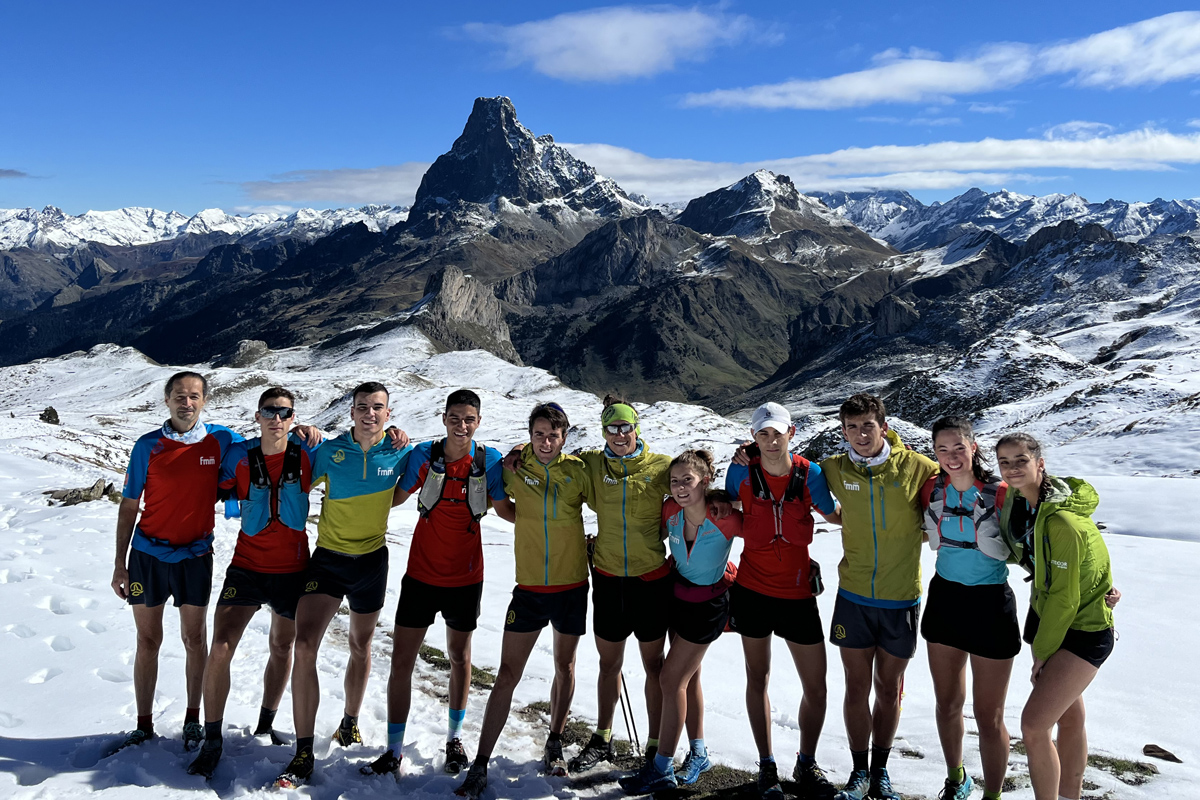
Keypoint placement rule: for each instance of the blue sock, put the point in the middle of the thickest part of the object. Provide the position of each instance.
(766, 760)
(396, 737)
(805, 759)
(457, 715)
(698, 748)
(664, 764)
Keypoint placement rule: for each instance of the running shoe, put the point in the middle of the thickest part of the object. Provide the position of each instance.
(555, 763)
(881, 786)
(768, 781)
(814, 783)
(206, 761)
(475, 783)
(347, 736)
(693, 767)
(386, 764)
(297, 772)
(648, 780)
(456, 757)
(857, 787)
(598, 749)
(134, 737)
(954, 790)
(193, 735)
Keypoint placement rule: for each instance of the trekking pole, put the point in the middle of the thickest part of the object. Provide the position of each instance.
(627, 713)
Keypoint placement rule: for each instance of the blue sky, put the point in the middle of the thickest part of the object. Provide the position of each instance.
(253, 105)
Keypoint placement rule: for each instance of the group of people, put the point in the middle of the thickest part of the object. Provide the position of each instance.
(658, 567)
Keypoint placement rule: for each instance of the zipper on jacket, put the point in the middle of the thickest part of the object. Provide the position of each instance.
(546, 527)
(624, 516)
(874, 530)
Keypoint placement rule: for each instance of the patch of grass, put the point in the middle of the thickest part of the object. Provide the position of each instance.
(1091, 787)
(1014, 783)
(909, 752)
(481, 677)
(1131, 773)
(1018, 747)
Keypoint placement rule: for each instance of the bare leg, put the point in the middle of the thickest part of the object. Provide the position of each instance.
(514, 653)
(193, 630)
(1060, 685)
(279, 663)
(811, 665)
(989, 688)
(229, 622)
(1072, 750)
(889, 675)
(562, 690)
(695, 706)
(406, 644)
(652, 661)
(148, 621)
(858, 664)
(608, 685)
(948, 666)
(312, 619)
(458, 647)
(681, 666)
(358, 670)
(758, 703)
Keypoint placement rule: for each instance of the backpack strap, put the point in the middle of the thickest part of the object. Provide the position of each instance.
(797, 483)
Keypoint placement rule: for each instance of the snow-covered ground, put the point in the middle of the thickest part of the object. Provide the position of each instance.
(68, 642)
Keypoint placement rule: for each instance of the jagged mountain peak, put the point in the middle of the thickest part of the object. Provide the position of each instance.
(498, 157)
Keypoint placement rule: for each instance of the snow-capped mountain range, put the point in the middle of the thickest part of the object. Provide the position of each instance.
(52, 229)
(906, 223)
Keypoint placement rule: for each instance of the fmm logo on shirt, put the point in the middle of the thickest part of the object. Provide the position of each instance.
(532, 481)
(383, 471)
(208, 461)
(852, 487)
(611, 480)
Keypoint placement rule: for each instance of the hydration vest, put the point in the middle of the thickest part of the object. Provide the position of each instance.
(435, 482)
(268, 501)
(984, 514)
(796, 492)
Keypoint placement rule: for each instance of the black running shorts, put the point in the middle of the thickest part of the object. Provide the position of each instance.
(152, 581)
(860, 626)
(700, 622)
(279, 590)
(758, 615)
(420, 602)
(362, 579)
(980, 620)
(566, 610)
(621, 606)
(1093, 647)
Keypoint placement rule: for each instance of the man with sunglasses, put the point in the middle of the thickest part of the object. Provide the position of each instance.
(270, 475)
(775, 589)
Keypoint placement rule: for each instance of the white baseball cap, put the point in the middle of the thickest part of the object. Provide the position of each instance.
(771, 415)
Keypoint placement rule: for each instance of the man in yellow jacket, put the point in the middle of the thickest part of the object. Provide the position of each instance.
(877, 483)
(547, 494)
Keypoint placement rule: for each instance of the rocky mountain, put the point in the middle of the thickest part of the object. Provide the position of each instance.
(907, 224)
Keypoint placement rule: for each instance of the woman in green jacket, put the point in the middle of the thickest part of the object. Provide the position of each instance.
(1070, 626)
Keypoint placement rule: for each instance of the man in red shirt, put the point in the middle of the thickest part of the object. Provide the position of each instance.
(270, 476)
(453, 479)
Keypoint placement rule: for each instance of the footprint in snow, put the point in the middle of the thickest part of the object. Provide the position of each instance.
(113, 675)
(7, 720)
(93, 626)
(20, 631)
(43, 675)
(55, 604)
(60, 644)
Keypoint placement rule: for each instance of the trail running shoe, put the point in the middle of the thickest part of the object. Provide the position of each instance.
(297, 772)
(857, 787)
(648, 780)
(456, 757)
(555, 763)
(193, 735)
(386, 764)
(134, 737)
(475, 783)
(597, 750)
(814, 783)
(953, 790)
(347, 736)
(206, 761)
(693, 767)
(881, 786)
(768, 781)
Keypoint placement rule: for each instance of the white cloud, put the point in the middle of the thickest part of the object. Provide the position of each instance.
(395, 185)
(619, 42)
(1078, 129)
(939, 165)
(989, 108)
(1193, 123)
(1146, 53)
(920, 121)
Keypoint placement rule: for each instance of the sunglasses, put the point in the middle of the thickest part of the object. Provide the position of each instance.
(618, 428)
(271, 412)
